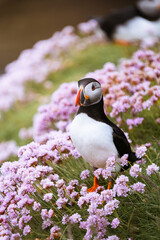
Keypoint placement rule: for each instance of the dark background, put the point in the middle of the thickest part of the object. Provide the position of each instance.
(24, 22)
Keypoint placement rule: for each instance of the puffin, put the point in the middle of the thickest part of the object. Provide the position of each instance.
(132, 23)
(95, 137)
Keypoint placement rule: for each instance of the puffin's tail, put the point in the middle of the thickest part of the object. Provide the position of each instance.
(131, 159)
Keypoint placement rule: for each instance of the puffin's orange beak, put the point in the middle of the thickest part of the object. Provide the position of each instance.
(78, 102)
(158, 7)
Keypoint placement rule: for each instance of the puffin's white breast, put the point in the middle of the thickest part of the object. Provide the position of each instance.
(137, 28)
(93, 140)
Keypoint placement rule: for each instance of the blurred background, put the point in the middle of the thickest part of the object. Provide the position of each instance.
(23, 23)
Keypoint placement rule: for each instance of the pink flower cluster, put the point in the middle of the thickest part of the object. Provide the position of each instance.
(127, 87)
(134, 122)
(24, 182)
(132, 86)
(152, 169)
(46, 56)
(55, 147)
(57, 113)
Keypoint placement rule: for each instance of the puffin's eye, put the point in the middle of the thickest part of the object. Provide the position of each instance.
(93, 87)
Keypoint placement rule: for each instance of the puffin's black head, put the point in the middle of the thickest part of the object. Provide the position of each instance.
(89, 92)
(150, 8)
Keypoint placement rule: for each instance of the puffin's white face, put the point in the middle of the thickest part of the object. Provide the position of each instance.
(149, 7)
(89, 94)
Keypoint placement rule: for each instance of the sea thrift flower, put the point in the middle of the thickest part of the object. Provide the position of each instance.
(124, 160)
(111, 206)
(140, 151)
(89, 27)
(46, 223)
(120, 187)
(48, 196)
(107, 172)
(16, 236)
(61, 202)
(158, 120)
(83, 190)
(135, 170)
(142, 161)
(134, 122)
(115, 223)
(26, 230)
(148, 145)
(85, 174)
(107, 195)
(55, 232)
(36, 206)
(113, 237)
(152, 169)
(75, 218)
(44, 214)
(138, 187)
(65, 219)
(97, 173)
(111, 161)
(46, 183)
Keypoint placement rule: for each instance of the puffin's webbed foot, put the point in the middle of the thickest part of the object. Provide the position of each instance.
(109, 185)
(122, 42)
(95, 185)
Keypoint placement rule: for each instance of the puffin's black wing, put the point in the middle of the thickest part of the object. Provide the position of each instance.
(121, 141)
(122, 145)
(111, 21)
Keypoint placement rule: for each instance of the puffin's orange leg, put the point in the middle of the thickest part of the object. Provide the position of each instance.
(122, 42)
(95, 185)
(109, 185)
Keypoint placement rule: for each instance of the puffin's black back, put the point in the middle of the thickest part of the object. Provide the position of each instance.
(110, 22)
(96, 112)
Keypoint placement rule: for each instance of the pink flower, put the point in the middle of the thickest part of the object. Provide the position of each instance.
(65, 219)
(124, 160)
(140, 151)
(54, 232)
(26, 230)
(85, 174)
(111, 161)
(134, 122)
(36, 206)
(115, 223)
(46, 223)
(97, 173)
(135, 170)
(46, 183)
(107, 172)
(158, 120)
(48, 196)
(75, 218)
(61, 202)
(107, 195)
(138, 187)
(113, 237)
(152, 169)
(111, 206)
(120, 187)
